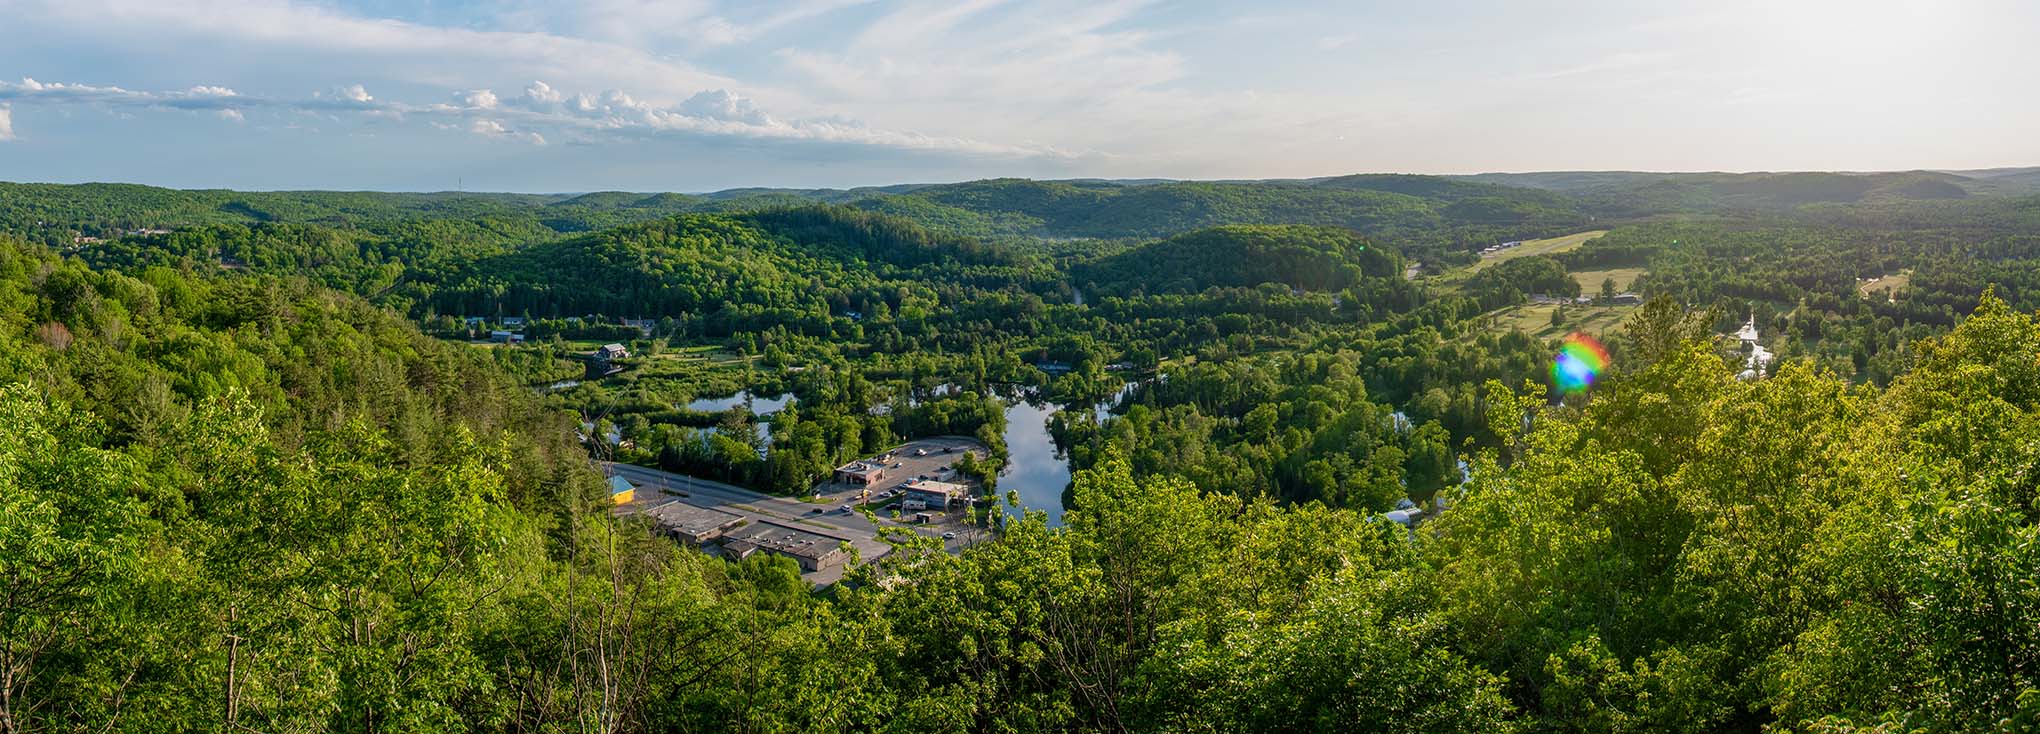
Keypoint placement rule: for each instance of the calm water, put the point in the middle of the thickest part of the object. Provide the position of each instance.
(1035, 469)
(759, 405)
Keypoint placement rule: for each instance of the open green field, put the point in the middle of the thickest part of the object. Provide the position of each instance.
(1590, 280)
(1894, 282)
(1535, 319)
(1539, 247)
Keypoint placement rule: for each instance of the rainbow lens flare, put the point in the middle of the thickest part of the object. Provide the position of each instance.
(1580, 361)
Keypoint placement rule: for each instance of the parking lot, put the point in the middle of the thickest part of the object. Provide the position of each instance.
(929, 457)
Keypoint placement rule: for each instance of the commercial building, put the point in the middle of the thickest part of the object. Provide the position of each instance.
(928, 494)
(691, 523)
(813, 551)
(860, 473)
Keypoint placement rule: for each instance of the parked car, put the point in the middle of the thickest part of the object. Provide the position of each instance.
(920, 452)
(949, 536)
(844, 508)
(949, 450)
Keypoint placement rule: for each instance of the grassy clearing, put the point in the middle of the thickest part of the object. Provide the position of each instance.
(1539, 247)
(1590, 280)
(1535, 319)
(1894, 283)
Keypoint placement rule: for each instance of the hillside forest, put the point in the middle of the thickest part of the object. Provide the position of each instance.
(325, 461)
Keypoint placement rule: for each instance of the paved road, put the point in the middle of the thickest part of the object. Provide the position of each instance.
(656, 487)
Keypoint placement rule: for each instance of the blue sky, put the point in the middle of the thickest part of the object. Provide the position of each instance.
(692, 95)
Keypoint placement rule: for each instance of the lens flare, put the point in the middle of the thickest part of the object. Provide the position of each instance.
(1580, 361)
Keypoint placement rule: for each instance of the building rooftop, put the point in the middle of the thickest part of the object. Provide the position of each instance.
(690, 519)
(934, 487)
(785, 539)
(620, 485)
(860, 467)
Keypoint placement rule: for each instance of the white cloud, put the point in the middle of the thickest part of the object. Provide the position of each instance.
(479, 99)
(319, 39)
(232, 114)
(720, 104)
(494, 129)
(6, 123)
(613, 115)
(541, 93)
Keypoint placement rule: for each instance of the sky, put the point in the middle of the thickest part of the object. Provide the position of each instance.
(699, 95)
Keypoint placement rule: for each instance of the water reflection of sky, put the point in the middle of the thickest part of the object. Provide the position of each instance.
(1034, 469)
(760, 405)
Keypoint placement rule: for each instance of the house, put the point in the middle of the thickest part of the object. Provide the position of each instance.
(696, 525)
(1406, 518)
(506, 337)
(475, 322)
(1628, 299)
(513, 322)
(860, 473)
(1052, 367)
(813, 551)
(644, 326)
(611, 353)
(927, 494)
(621, 491)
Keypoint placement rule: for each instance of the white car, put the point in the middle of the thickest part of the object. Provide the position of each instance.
(949, 536)
(920, 452)
(844, 508)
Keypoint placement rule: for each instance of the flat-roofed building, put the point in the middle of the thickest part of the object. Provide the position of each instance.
(692, 523)
(860, 473)
(930, 494)
(812, 550)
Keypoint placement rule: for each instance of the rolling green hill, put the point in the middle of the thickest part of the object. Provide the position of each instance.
(1237, 256)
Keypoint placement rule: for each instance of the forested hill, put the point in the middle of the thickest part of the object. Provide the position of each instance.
(795, 260)
(1414, 207)
(1430, 210)
(1432, 218)
(1625, 194)
(1295, 256)
(239, 500)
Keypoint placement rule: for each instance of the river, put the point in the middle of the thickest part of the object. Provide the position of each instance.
(1035, 468)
